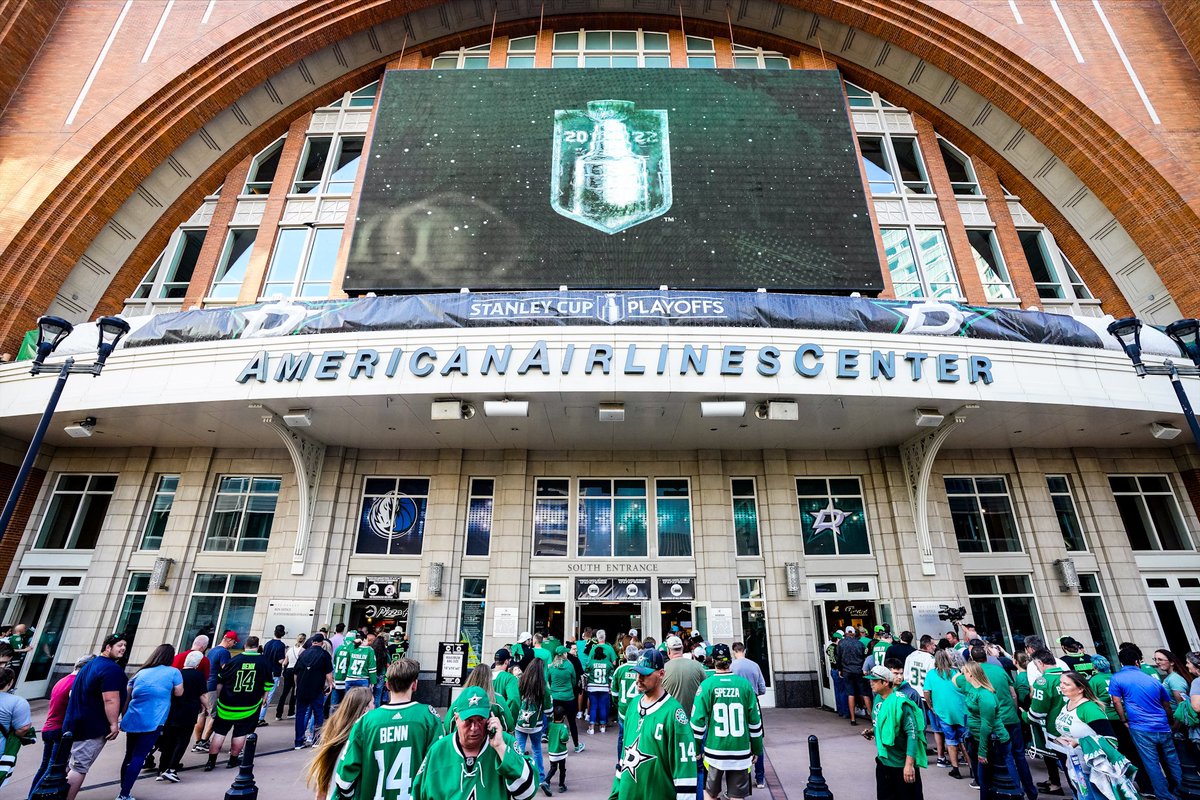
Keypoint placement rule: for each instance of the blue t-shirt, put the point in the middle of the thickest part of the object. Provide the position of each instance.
(274, 652)
(14, 714)
(1143, 697)
(150, 699)
(85, 708)
(218, 657)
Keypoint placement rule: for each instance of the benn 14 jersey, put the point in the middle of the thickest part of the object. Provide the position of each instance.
(658, 753)
(623, 688)
(726, 719)
(384, 752)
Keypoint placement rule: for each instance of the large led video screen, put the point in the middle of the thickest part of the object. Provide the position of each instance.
(612, 178)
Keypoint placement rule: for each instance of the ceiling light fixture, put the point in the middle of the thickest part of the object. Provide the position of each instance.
(506, 408)
(722, 408)
(82, 429)
(611, 412)
(298, 418)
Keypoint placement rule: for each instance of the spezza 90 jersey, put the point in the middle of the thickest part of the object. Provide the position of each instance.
(727, 720)
(384, 752)
(658, 753)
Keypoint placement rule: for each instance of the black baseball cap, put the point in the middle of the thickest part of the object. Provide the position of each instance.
(721, 652)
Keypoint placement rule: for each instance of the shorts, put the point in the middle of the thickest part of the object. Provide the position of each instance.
(240, 727)
(736, 782)
(212, 703)
(84, 753)
(856, 684)
(955, 734)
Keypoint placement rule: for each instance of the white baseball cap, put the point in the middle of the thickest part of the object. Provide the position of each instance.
(633, 632)
(525, 637)
(674, 643)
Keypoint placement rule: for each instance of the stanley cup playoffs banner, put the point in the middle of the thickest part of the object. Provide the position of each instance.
(612, 178)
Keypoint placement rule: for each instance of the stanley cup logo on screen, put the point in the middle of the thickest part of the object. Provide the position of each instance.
(612, 165)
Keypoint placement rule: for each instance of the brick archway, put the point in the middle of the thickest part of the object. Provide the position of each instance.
(42, 254)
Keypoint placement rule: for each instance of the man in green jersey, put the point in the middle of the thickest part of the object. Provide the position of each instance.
(360, 663)
(341, 662)
(728, 724)
(386, 746)
(478, 761)
(1045, 703)
(659, 758)
(878, 650)
(598, 674)
(504, 683)
(623, 688)
(241, 688)
(899, 734)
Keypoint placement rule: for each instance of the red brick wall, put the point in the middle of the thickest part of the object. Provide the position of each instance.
(12, 538)
(24, 25)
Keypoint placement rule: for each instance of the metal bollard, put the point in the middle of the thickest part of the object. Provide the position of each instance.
(1190, 790)
(243, 786)
(816, 788)
(53, 785)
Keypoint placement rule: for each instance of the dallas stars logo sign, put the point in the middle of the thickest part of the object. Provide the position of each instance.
(633, 760)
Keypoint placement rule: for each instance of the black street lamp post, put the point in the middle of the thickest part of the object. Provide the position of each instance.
(51, 332)
(1186, 334)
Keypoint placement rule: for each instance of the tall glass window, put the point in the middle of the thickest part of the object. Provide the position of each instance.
(1065, 512)
(171, 273)
(877, 165)
(673, 513)
(470, 618)
(754, 624)
(745, 516)
(329, 165)
(551, 516)
(1150, 512)
(576, 49)
(745, 57)
(392, 516)
(130, 615)
(220, 603)
(923, 271)
(1004, 608)
(961, 170)
(1097, 617)
(263, 169)
(303, 263)
(160, 511)
(983, 516)
(235, 258)
(479, 516)
(833, 516)
(612, 518)
(993, 274)
(701, 53)
(1054, 276)
(476, 57)
(242, 514)
(76, 512)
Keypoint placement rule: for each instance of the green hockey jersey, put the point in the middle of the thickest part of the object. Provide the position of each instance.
(1045, 702)
(530, 715)
(360, 664)
(341, 662)
(504, 684)
(556, 741)
(878, 651)
(598, 673)
(243, 682)
(449, 775)
(623, 688)
(658, 753)
(384, 750)
(727, 722)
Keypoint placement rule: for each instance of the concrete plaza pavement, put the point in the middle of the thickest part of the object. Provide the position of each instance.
(847, 758)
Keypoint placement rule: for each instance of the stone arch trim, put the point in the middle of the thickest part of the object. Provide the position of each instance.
(41, 256)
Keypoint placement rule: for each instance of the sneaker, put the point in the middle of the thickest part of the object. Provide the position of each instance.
(149, 766)
(854, 722)
(944, 763)
(603, 729)
(262, 723)
(974, 784)
(125, 797)
(546, 788)
(562, 789)
(760, 786)
(233, 762)
(545, 739)
(954, 773)
(211, 764)
(578, 715)
(170, 775)
(591, 730)
(200, 746)
(579, 748)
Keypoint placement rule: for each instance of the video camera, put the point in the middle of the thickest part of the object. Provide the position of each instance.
(950, 614)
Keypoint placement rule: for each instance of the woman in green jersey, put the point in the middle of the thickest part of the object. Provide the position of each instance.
(1083, 726)
(564, 682)
(988, 745)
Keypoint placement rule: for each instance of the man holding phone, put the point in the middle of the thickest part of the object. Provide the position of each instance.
(478, 760)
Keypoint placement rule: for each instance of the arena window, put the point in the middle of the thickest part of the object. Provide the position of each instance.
(477, 57)
(158, 513)
(578, 49)
(1150, 512)
(1004, 609)
(76, 512)
(220, 603)
(243, 513)
(521, 52)
(479, 516)
(745, 516)
(756, 58)
(993, 273)
(923, 271)
(982, 513)
(303, 262)
(701, 53)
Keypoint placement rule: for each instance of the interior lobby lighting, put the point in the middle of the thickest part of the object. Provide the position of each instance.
(82, 429)
(298, 418)
(928, 417)
(506, 408)
(722, 408)
(611, 412)
(1163, 430)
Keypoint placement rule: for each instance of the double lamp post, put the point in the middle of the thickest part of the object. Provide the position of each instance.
(1186, 335)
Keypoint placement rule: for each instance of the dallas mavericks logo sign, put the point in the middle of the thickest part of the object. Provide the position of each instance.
(612, 165)
(393, 517)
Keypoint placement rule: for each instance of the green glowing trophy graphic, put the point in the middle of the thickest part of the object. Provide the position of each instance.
(612, 165)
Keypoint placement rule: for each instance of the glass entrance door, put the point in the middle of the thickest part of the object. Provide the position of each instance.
(40, 662)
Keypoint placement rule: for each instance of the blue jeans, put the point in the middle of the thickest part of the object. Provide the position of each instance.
(262, 712)
(1017, 763)
(839, 694)
(760, 767)
(1157, 749)
(313, 707)
(335, 697)
(378, 690)
(598, 706)
(620, 740)
(49, 743)
(137, 747)
(534, 741)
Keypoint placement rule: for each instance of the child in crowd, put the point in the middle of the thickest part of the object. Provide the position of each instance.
(558, 737)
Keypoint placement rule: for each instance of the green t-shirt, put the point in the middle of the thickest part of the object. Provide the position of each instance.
(504, 686)
(1022, 686)
(658, 753)
(556, 741)
(1002, 684)
(1099, 686)
(983, 717)
(563, 681)
(384, 750)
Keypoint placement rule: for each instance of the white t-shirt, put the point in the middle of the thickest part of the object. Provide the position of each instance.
(916, 667)
(1034, 670)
